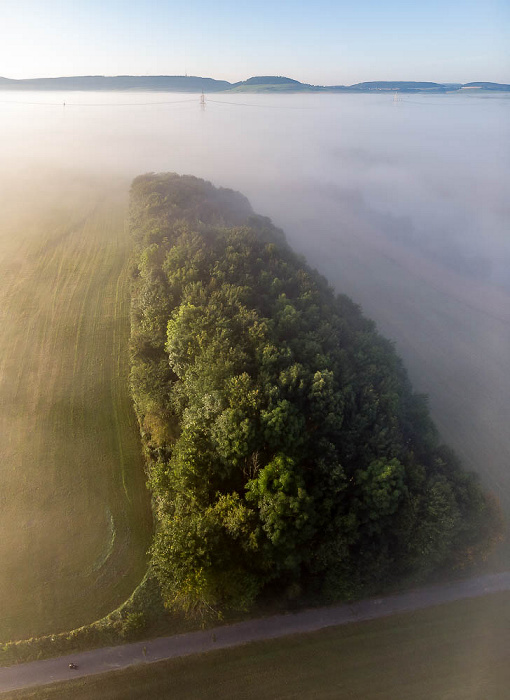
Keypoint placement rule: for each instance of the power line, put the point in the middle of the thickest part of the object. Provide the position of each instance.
(202, 102)
(97, 104)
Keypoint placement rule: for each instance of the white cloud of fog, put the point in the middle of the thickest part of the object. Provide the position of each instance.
(404, 205)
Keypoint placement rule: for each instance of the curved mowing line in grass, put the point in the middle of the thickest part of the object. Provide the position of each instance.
(110, 544)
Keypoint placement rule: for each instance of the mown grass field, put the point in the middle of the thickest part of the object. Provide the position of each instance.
(454, 652)
(74, 513)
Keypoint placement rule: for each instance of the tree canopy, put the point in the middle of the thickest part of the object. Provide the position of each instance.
(286, 449)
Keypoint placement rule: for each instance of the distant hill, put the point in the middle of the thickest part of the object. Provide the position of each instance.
(163, 83)
(273, 83)
(402, 85)
(269, 80)
(260, 83)
(488, 86)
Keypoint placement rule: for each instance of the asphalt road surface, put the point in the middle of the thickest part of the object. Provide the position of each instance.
(114, 658)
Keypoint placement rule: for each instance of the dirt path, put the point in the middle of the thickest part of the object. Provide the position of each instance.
(114, 658)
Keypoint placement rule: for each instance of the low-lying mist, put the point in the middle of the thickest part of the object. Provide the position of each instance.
(402, 205)
(430, 172)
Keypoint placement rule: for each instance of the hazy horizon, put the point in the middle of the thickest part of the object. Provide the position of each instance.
(253, 75)
(327, 43)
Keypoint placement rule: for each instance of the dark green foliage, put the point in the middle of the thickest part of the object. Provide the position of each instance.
(286, 447)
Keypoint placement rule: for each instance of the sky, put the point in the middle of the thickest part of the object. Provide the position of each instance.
(328, 42)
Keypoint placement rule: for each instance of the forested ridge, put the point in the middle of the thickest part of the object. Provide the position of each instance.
(286, 451)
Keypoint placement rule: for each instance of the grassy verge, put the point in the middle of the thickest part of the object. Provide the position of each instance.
(141, 616)
(458, 651)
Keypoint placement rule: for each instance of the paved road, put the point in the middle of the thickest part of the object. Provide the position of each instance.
(112, 658)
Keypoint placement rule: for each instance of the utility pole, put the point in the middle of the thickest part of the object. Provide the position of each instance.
(202, 101)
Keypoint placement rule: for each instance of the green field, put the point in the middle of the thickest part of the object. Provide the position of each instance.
(74, 513)
(454, 652)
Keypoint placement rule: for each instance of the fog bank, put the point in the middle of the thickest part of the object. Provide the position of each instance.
(402, 205)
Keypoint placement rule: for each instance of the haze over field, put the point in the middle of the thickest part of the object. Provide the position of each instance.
(429, 170)
(402, 205)
(74, 514)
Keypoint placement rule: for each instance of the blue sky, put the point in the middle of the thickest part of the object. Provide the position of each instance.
(329, 42)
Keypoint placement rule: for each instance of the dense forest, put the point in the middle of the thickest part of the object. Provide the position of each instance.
(286, 451)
